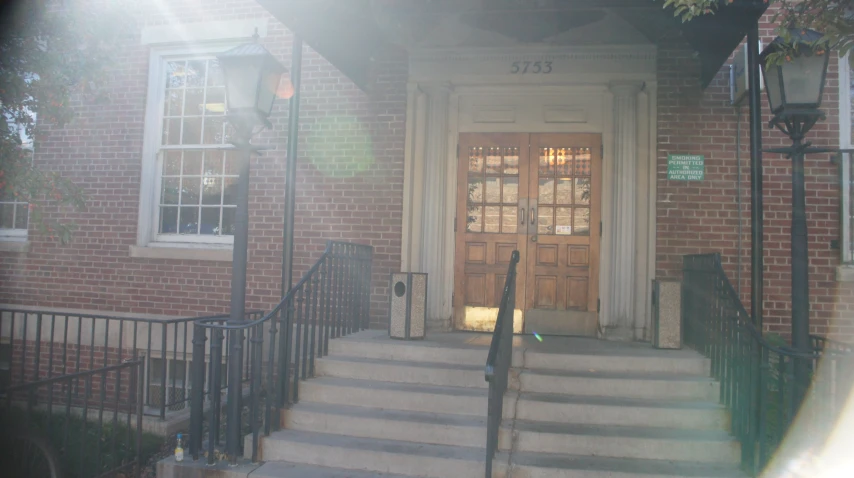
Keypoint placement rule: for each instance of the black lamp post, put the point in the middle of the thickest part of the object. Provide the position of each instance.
(252, 77)
(794, 86)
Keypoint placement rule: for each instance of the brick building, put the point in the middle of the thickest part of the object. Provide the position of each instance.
(444, 143)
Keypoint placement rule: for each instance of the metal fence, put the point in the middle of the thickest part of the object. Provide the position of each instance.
(499, 360)
(331, 300)
(45, 344)
(96, 431)
(765, 386)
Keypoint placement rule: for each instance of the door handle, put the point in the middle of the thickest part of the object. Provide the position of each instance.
(522, 215)
(533, 214)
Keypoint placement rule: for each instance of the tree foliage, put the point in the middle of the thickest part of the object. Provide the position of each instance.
(50, 54)
(833, 18)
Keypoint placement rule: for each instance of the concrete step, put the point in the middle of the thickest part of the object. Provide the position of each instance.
(436, 428)
(370, 347)
(661, 361)
(429, 373)
(395, 396)
(650, 443)
(278, 469)
(619, 384)
(642, 412)
(548, 465)
(373, 455)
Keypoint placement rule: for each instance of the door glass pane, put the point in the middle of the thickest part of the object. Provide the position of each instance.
(475, 191)
(493, 161)
(563, 161)
(581, 222)
(475, 160)
(547, 161)
(491, 219)
(582, 162)
(545, 220)
(510, 192)
(509, 219)
(473, 222)
(493, 190)
(563, 220)
(582, 190)
(511, 161)
(546, 193)
(564, 191)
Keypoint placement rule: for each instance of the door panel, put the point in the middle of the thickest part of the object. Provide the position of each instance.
(539, 194)
(490, 223)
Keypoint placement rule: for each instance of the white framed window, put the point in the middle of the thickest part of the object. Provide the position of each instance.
(846, 140)
(188, 186)
(176, 392)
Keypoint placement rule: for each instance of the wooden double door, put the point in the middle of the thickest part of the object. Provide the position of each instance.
(538, 194)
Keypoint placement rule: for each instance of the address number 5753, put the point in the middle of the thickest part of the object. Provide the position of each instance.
(523, 67)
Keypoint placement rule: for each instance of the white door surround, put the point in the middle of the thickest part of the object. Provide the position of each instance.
(610, 90)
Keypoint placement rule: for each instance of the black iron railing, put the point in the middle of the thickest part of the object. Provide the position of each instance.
(45, 344)
(96, 431)
(331, 300)
(757, 378)
(499, 360)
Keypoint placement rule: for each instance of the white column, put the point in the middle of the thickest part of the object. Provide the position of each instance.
(435, 221)
(619, 323)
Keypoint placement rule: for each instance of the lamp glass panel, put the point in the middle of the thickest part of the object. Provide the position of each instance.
(772, 86)
(802, 80)
(241, 83)
(267, 92)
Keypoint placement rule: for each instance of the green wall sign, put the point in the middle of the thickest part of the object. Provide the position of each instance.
(686, 167)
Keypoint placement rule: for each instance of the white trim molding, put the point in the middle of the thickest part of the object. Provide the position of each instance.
(201, 32)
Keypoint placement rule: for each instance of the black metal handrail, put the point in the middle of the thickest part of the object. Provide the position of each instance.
(499, 360)
(91, 419)
(758, 379)
(47, 343)
(331, 300)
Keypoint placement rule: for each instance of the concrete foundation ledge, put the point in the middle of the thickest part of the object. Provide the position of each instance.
(169, 468)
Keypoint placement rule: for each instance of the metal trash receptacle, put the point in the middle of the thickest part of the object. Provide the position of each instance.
(408, 316)
(666, 314)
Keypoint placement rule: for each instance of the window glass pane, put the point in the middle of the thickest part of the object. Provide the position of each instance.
(171, 131)
(563, 220)
(581, 223)
(564, 191)
(21, 216)
(211, 190)
(511, 161)
(172, 163)
(215, 77)
(196, 73)
(169, 188)
(509, 219)
(563, 161)
(192, 133)
(232, 164)
(194, 99)
(493, 161)
(213, 130)
(492, 219)
(189, 220)
(229, 195)
(492, 190)
(547, 161)
(546, 193)
(168, 220)
(475, 191)
(545, 220)
(7, 216)
(582, 190)
(476, 159)
(473, 221)
(210, 220)
(228, 221)
(190, 190)
(192, 163)
(510, 187)
(174, 102)
(175, 74)
(582, 162)
(213, 163)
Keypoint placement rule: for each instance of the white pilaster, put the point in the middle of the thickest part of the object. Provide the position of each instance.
(436, 224)
(619, 323)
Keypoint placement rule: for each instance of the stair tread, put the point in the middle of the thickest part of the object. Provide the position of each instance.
(621, 401)
(281, 469)
(622, 431)
(474, 454)
(398, 386)
(625, 465)
(404, 363)
(390, 414)
(619, 375)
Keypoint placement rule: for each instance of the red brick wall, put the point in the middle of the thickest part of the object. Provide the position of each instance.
(349, 185)
(697, 217)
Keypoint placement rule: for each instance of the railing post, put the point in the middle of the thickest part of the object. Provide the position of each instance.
(197, 392)
(163, 372)
(255, 385)
(234, 395)
(216, 393)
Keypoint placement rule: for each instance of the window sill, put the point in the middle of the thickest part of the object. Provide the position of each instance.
(20, 247)
(845, 273)
(191, 253)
